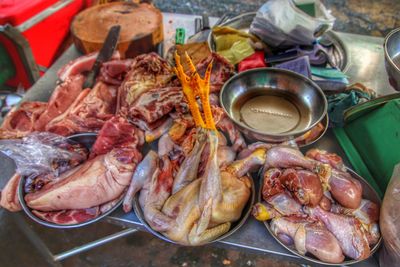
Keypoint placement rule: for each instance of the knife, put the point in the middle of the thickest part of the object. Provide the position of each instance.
(104, 55)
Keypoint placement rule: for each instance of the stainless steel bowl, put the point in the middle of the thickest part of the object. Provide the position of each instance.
(273, 105)
(392, 57)
(368, 193)
(87, 139)
(234, 227)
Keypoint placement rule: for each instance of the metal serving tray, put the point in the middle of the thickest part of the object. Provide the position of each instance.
(87, 139)
(368, 193)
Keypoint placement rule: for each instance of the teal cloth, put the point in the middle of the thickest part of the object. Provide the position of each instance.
(338, 103)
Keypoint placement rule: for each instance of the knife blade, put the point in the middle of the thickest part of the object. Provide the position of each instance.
(104, 55)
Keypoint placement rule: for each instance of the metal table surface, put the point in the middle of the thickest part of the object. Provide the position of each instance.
(366, 65)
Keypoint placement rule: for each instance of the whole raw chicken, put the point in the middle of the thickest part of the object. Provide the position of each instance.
(199, 203)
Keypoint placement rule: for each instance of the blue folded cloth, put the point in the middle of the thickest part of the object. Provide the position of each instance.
(338, 103)
(300, 65)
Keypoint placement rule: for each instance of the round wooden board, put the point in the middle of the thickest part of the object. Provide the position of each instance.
(141, 28)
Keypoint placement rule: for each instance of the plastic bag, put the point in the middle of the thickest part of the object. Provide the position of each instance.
(389, 222)
(232, 44)
(281, 23)
(38, 152)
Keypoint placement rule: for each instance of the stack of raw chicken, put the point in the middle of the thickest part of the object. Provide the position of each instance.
(315, 205)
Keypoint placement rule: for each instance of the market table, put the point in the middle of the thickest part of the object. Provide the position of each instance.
(365, 64)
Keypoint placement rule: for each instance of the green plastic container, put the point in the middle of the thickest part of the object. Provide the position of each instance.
(372, 143)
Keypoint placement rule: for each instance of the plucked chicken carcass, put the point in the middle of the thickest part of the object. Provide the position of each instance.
(88, 188)
(194, 204)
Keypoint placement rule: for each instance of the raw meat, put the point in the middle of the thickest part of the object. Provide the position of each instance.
(61, 99)
(9, 195)
(148, 71)
(66, 217)
(113, 72)
(155, 103)
(116, 132)
(91, 109)
(80, 65)
(97, 181)
(222, 70)
(20, 122)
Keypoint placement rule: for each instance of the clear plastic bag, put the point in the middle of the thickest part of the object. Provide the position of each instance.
(389, 222)
(281, 23)
(37, 153)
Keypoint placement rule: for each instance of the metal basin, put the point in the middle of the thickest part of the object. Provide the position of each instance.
(392, 57)
(273, 105)
(87, 139)
(234, 226)
(368, 193)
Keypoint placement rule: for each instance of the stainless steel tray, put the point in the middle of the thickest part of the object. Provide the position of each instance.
(87, 139)
(368, 193)
(234, 227)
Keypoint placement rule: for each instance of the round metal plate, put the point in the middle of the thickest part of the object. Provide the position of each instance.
(243, 22)
(368, 193)
(234, 227)
(87, 139)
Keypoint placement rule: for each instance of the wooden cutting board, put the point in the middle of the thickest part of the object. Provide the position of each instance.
(141, 28)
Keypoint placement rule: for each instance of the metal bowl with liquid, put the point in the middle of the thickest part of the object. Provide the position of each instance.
(273, 105)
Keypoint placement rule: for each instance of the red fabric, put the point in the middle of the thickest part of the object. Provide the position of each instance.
(252, 62)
